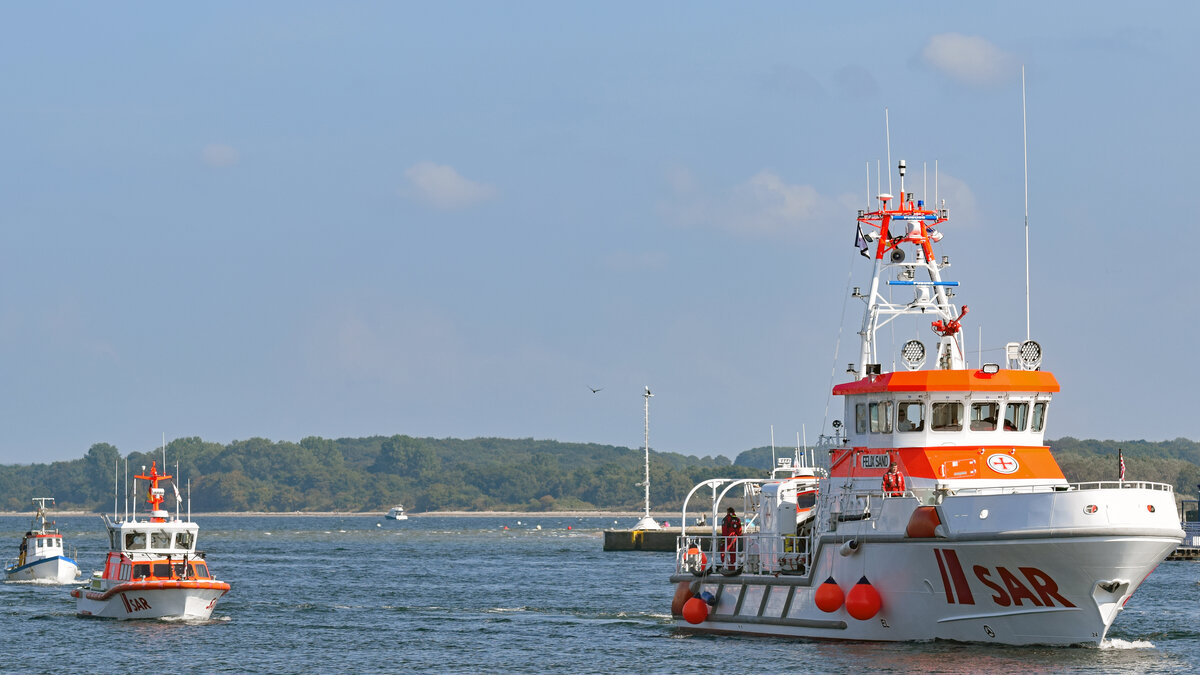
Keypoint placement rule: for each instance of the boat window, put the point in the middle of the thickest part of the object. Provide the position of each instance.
(881, 417)
(860, 418)
(201, 570)
(181, 570)
(141, 571)
(135, 540)
(947, 416)
(806, 500)
(910, 416)
(183, 540)
(162, 570)
(160, 539)
(1016, 415)
(124, 573)
(983, 416)
(1039, 416)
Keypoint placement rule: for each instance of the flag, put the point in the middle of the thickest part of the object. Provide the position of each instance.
(1121, 463)
(861, 242)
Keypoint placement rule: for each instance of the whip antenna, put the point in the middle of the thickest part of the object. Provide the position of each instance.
(1025, 139)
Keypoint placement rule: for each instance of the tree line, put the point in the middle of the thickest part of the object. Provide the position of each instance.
(480, 474)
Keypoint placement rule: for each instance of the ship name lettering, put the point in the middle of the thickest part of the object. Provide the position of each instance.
(1010, 590)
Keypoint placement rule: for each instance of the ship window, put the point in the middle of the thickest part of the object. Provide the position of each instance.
(183, 540)
(881, 417)
(860, 418)
(947, 416)
(201, 570)
(1016, 415)
(162, 570)
(135, 540)
(160, 539)
(141, 571)
(910, 416)
(1039, 416)
(983, 416)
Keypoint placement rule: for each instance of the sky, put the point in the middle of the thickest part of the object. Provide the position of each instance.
(291, 219)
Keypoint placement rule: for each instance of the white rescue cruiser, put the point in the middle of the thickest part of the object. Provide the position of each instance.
(43, 556)
(986, 541)
(153, 569)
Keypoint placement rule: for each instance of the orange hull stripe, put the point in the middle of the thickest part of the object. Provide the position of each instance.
(1034, 462)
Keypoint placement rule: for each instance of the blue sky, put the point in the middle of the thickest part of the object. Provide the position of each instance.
(285, 219)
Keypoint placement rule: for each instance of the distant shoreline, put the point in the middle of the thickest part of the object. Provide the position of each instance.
(426, 514)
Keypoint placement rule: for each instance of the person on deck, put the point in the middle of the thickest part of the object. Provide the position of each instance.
(893, 481)
(731, 529)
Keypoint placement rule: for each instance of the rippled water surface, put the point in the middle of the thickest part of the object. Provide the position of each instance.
(360, 593)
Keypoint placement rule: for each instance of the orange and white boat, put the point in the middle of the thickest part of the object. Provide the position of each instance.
(153, 569)
(986, 541)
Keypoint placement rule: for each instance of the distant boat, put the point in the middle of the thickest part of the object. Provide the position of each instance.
(43, 556)
(397, 513)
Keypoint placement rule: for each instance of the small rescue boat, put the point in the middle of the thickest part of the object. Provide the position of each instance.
(979, 539)
(44, 557)
(153, 569)
(397, 513)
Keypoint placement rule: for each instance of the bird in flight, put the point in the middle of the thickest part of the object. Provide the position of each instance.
(594, 389)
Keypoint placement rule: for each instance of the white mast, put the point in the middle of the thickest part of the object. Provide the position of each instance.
(648, 523)
(1025, 139)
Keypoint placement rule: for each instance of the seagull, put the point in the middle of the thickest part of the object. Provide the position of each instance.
(594, 389)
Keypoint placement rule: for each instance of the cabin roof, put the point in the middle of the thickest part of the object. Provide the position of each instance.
(952, 380)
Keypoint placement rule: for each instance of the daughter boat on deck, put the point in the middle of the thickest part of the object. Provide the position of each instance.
(153, 569)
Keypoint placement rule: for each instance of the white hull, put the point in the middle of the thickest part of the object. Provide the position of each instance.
(194, 601)
(56, 570)
(399, 517)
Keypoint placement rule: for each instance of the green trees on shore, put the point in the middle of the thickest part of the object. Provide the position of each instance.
(371, 474)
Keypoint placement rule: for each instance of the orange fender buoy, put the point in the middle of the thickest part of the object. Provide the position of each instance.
(863, 601)
(683, 593)
(829, 596)
(695, 611)
(923, 523)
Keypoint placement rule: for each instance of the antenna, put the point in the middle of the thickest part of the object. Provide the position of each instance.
(116, 484)
(648, 523)
(888, 131)
(772, 449)
(868, 186)
(1025, 139)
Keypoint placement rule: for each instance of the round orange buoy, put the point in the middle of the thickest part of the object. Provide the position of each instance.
(695, 611)
(863, 601)
(829, 596)
(683, 593)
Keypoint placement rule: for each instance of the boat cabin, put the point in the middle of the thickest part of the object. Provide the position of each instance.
(985, 426)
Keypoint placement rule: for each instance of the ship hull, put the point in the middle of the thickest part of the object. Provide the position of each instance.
(56, 570)
(1050, 591)
(187, 600)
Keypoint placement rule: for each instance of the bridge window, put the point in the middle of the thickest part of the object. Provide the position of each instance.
(983, 416)
(881, 417)
(183, 540)
(1016, 416)
(860, 418)
(947, 416)
(910, 416)
(160, 539)
(135, 540)
(1039, 416)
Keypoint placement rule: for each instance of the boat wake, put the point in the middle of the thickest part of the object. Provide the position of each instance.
(1118, 643)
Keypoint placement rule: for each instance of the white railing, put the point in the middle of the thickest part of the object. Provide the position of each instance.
(756, 553)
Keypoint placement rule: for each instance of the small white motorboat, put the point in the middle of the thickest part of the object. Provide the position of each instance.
(43, 555)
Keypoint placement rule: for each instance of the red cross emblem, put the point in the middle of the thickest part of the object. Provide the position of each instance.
(1003, 463)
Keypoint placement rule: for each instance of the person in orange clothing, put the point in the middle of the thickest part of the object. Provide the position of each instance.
(731, 529)
(893, 481)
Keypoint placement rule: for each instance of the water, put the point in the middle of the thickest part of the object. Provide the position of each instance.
(364, 594)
